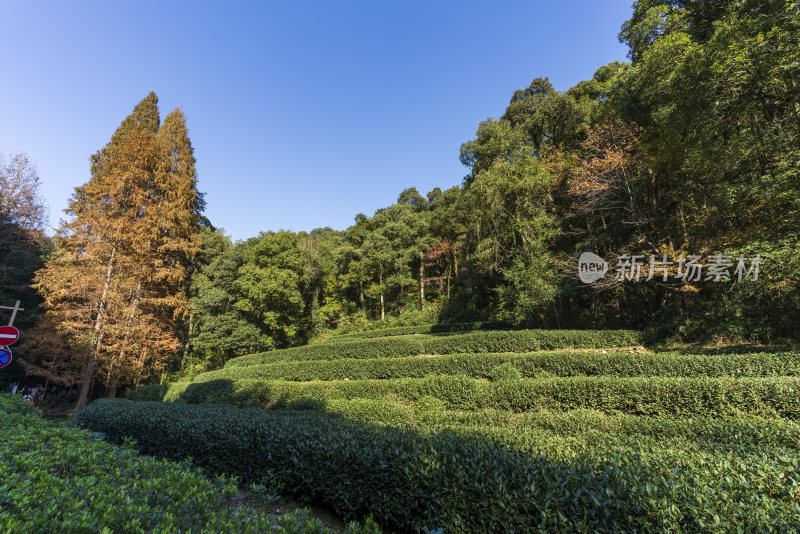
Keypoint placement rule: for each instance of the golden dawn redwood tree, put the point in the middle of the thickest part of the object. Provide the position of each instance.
(116, 281)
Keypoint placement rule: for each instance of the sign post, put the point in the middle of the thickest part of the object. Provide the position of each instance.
(8, 335)
(14, 309)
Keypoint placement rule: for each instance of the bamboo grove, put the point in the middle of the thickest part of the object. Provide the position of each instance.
(692, 147)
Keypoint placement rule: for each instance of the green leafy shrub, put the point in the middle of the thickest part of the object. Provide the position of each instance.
(151, 392)
(429, 410)
(504, 371)
(465, 481)
(15, 404)
(771, 397)
(429, 404)
(381, 411)
(589, 363)
(500, 341)
(158, 392)
(426, 329)
(749, 433)
(65, 479)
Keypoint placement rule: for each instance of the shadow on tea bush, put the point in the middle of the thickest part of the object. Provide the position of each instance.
(410, 479)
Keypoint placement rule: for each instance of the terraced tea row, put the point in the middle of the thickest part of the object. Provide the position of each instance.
(560, 363)
(499, 479)
(778, 396)
(424, 329)
(57, 478)
(498, 341)
(478, 429)
(430, 413)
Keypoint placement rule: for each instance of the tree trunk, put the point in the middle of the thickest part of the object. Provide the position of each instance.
(422, 282)
(140, 367)
(383, 308)
(98, 325)
(188, 342)
(128, 323)
(683, 226)
(555, 313)
(448, 282)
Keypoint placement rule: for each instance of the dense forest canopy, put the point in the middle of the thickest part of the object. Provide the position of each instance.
(691, 148)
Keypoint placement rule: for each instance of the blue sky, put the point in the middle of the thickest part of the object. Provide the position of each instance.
(302, 114)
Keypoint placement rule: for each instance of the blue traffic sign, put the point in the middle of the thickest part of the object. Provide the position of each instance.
(5, 357)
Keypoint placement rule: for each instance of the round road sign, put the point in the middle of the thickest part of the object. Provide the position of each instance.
(5, 357)
(8, 335)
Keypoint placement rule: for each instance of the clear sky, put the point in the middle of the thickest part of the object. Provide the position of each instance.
(302, 114)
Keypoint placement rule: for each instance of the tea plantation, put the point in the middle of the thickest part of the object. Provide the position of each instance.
(58, 478)
(486, 430)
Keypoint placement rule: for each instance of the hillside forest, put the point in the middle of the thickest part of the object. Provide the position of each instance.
(690, 148)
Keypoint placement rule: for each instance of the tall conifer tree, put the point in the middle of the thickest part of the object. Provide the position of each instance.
(115, 282)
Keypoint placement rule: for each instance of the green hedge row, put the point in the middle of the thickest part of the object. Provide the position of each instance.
(459, 482)
(500, 341)
(425, 329)
(529, 365)
(55, 478)
(748, 433)
(429, 412)
(736, 433)
(769, 397)
(379, 411)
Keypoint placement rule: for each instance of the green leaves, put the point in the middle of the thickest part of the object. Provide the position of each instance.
(598, 474)
(680, 396)
(499, 341)
(63, 479)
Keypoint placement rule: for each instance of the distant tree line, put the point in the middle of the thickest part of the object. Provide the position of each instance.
(692, 147)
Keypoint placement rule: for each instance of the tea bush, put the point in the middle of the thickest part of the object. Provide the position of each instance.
(499, 341)
(750, 433)
(472, 482)
(425, 329)
(431, 412)
(683, 396)
(56, 478)
(590, 363)
(504, 371)
(380, 411)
